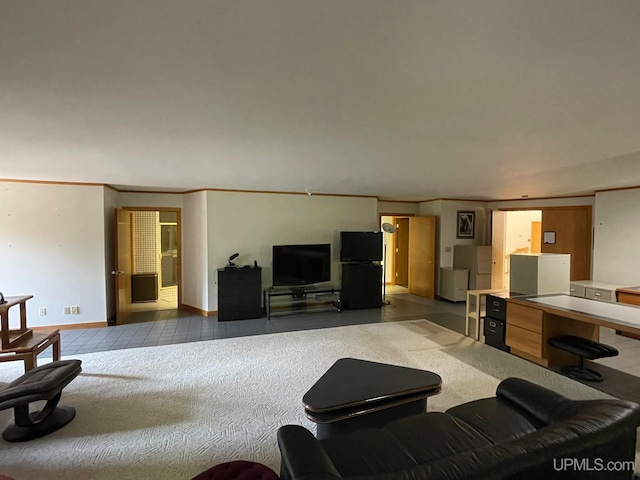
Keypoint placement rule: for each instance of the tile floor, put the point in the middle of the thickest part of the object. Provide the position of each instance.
(621, 373)
(145, 329)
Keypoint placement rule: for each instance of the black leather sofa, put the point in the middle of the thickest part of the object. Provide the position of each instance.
(524, 432)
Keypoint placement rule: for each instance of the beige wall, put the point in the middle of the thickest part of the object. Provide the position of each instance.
(616, 254)
(52, 245)
(251, 223)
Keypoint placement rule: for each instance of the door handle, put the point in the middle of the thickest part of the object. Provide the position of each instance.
(114, 272)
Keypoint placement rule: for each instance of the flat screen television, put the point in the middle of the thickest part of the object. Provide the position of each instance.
(295, 265)
(360, 246)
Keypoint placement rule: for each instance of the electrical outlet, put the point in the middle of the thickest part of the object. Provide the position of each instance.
(43, 312)
(75, 310)
(67, 310)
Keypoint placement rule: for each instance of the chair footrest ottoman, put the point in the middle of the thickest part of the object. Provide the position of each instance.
(41, 383)
(583, 348)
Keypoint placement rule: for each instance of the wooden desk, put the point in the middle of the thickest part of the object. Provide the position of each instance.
(531, 321)
(22, 343)
(629, 295)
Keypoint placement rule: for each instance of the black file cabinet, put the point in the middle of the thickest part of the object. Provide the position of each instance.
(239, 293)
(495, 322)
(361, 286)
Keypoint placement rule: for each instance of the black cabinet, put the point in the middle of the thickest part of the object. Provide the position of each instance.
(495, 322)
(361, 286)
(239, 293)
(497, 307)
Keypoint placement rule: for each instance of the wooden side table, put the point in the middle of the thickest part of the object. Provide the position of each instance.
(23, 343)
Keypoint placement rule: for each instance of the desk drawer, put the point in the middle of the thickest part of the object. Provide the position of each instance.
(524, 340)
(496, 307)
(576, 290)
(629, 298)
(525, 317)
(483, 282)
(484, 267)
(600, 294)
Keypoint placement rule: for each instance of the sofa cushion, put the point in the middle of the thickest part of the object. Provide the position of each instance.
(366, 452)
(496, 419)
(432, 436)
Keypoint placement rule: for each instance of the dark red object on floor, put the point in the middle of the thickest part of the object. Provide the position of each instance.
(238, 470)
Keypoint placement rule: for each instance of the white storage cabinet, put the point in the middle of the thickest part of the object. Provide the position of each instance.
(540, 273)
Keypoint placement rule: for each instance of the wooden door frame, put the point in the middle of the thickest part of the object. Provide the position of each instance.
(396, 250)
(393, 244)
(588, 238)
(119, 289)
(178, 211)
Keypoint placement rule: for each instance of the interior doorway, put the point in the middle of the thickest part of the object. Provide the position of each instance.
(396, 254)
(410, 254)
(517, 231)
(523, 231)
(148, 260)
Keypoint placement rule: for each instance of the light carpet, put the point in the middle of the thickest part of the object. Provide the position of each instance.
(170, 412)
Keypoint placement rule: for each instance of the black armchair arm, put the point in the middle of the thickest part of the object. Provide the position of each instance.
(544, 404)
(303, 456)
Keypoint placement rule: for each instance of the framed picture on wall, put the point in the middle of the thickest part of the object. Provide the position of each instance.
(466, 224)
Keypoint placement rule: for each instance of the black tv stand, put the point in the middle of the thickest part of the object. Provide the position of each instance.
(304, 298)
(299, 292)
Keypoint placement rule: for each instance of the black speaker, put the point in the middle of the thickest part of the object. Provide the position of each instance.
(361, 286)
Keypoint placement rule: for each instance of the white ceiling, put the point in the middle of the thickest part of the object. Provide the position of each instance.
(484, 99)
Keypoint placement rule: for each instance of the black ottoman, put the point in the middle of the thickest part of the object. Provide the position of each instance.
(41, 383)
(584, 348)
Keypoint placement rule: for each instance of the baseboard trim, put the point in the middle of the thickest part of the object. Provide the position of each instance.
(71, 326)
(204, 313)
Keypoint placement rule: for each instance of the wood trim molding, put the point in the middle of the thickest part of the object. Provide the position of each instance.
(72, 326)
(277, 192)
(617, 189)
(51, 182)
(111, 187)
(198, 311)
(540, 198)
(153, 209)
(397, 201)
(146, 191)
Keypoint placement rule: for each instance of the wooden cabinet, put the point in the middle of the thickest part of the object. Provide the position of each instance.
(629, 295)
(524, 329)
(453, 283)
(476, 259)
(239, 293)
(529, 328)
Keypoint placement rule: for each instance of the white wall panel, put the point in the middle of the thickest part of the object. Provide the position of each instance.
(52, 247)
(616, 256)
